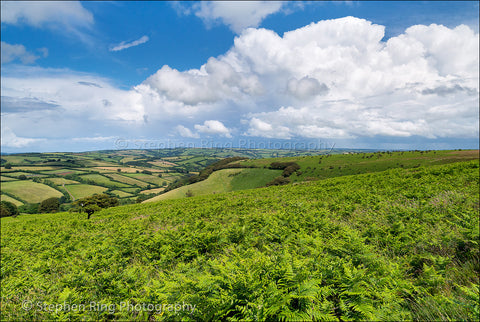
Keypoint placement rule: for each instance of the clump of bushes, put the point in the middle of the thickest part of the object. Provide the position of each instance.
(49, 205)
(278, 181)
(8, 209)
(288, 167)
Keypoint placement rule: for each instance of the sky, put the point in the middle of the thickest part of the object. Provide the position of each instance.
(395, 75)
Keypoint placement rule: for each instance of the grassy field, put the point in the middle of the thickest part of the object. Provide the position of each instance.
(152, 179)
(26, 174)
(84, 190)
(395, 245)
(5, 178)
(130, 190)
(156, 190)
(21, 159)
(123, 169)
(60, 181)
(33, 168)
(103, 181)
(63, 172)
(222, 181)
(253, 178)
(127, 180)
(29, 191)
(12, 200)
(121, 194)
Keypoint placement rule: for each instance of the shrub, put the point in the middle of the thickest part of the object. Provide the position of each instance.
(278, 181)
(287, 172)
(49, 205)
(29, 208)
(8, 209)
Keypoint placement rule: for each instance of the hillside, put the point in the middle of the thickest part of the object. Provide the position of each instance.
(317, 167)
(393, 245)
(222, 181)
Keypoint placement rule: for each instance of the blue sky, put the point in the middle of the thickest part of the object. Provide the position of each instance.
(82, 76)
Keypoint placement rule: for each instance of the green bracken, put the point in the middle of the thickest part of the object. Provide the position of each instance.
(395, 245)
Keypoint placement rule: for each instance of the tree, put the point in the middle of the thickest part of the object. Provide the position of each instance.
(8, 166)
(49, 205)
(90, 209)
(8, 209)
(119, 170)
(95, 203)
(22, 177)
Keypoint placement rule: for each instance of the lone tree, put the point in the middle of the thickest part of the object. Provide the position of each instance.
(49, 205)
(95, 203)
(8, 209)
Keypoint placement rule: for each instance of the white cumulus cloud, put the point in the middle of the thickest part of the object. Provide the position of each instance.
(213, 127)
(46, 13)
(186, 132)
(237, 15)
(10, 139)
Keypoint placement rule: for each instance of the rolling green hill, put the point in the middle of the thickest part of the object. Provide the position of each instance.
(336, 165)
(222, 181)
(401, 244)
(316, 167)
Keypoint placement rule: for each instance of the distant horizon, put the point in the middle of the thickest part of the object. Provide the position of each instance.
(235, 148)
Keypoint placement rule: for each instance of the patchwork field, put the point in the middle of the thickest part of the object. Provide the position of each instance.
(121, 194)
(146, 177)
(33, 168)
(123, 169)
(156, 190)
(127, 180)
(102, 180)
(84, 190)
(61, 181)
(63, 172)
(29, 191)
(5, 178)
(26, 174)
(10, 199)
